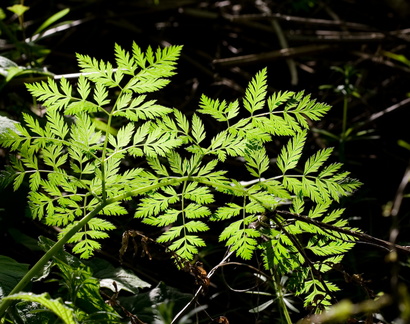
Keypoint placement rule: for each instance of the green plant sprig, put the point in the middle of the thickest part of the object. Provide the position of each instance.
(78, 178)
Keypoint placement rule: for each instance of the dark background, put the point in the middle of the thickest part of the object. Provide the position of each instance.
(369, 37)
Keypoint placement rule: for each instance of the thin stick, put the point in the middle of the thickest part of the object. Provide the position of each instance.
(199, 290)
(273, 55)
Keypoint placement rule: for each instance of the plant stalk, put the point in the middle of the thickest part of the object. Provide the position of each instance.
(345, 102)
(48, 255)
(280, 296)
(344, 126)
(60, 243)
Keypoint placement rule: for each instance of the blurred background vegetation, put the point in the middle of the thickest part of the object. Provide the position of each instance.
(351, 54)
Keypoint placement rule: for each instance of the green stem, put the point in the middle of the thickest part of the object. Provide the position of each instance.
(139, 191)
(49, 254)
(183, 214)
(344, 126)
(280, 296)
(103, 160)
(60, 243)
(345, 101)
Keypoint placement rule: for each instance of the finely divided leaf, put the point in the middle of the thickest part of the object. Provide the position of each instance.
(124, 60)
(330, 170)
(279, 98)
(316, 161)
(198, 129)
(256, 92)
(291, 153)
(101, 95)
(83, 87)
(257, 162)
(49, 93)
(220, 110)
(123, 137)
(57, 124)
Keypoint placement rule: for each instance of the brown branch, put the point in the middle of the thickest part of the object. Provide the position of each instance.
(284, 44)
(400, 192)
(388, 110)
(273, 55)
(301, 20)
(337, 36)
(200, 289)
(241, 19)
(379, 60)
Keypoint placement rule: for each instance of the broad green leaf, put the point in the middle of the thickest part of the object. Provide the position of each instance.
(65, 313)
(11, 272)
(124, 279)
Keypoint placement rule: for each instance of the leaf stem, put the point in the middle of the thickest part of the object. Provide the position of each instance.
(142, 190)
(345, 101)
(103, 159)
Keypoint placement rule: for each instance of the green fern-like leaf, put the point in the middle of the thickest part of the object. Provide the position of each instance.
(225, 144)
(153, 205)
(290, 155)
(256, 92)
(278, 99)
(219, 110)
(49, 93)
(101, 95)
(257, 162)
(198, 129)
(124, 60)
(187, 246)
(240, 238)
(170, 216)
(78, 163)
(317, 293)
(137, 109)
(316, 161)
(87, 247)
(324, 248)
(200, 195)
(97, 71)
(228, 211)
(194, 210)
(123, 137)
